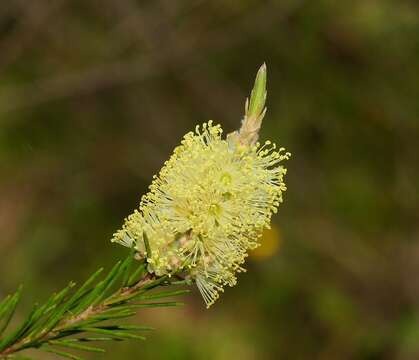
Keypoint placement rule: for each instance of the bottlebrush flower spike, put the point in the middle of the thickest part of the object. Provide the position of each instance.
(210, 203)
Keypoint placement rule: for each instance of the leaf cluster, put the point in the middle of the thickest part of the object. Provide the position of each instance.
(74, 318)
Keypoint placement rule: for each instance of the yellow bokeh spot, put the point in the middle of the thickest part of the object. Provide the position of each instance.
(270, 243)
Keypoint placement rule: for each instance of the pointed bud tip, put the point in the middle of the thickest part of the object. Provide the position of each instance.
(258, 94)
(263, 67)
(261, 74)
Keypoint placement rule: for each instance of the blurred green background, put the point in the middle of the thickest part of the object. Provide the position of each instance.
(95, 94)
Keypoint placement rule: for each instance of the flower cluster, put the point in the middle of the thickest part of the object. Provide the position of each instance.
(207, 208)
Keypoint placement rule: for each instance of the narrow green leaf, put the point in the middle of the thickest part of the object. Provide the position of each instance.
(57, 315)
(148, 284)
(126, 266)
(61, 353)
(133, 279)
(100, 291)
(93, 338)
(187, 282)
(81, 291)
(147, 245)
(9, 310)
(154, 283)
(75, 345)
(96, 293)
(125, 313)
(19, 333)
(163, 294)
(128, 327)
(132, 296)
(42, 314)
(113, 333)
(119, 315)
(150, 305)
(3, 305)
(43, 311)
(59, 297)
(160, 304)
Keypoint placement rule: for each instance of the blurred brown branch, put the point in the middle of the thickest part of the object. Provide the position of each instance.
(175, 50)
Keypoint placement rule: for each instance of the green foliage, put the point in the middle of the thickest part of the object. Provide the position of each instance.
(67, 318)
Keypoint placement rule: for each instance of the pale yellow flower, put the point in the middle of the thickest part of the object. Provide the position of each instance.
(209, 205)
